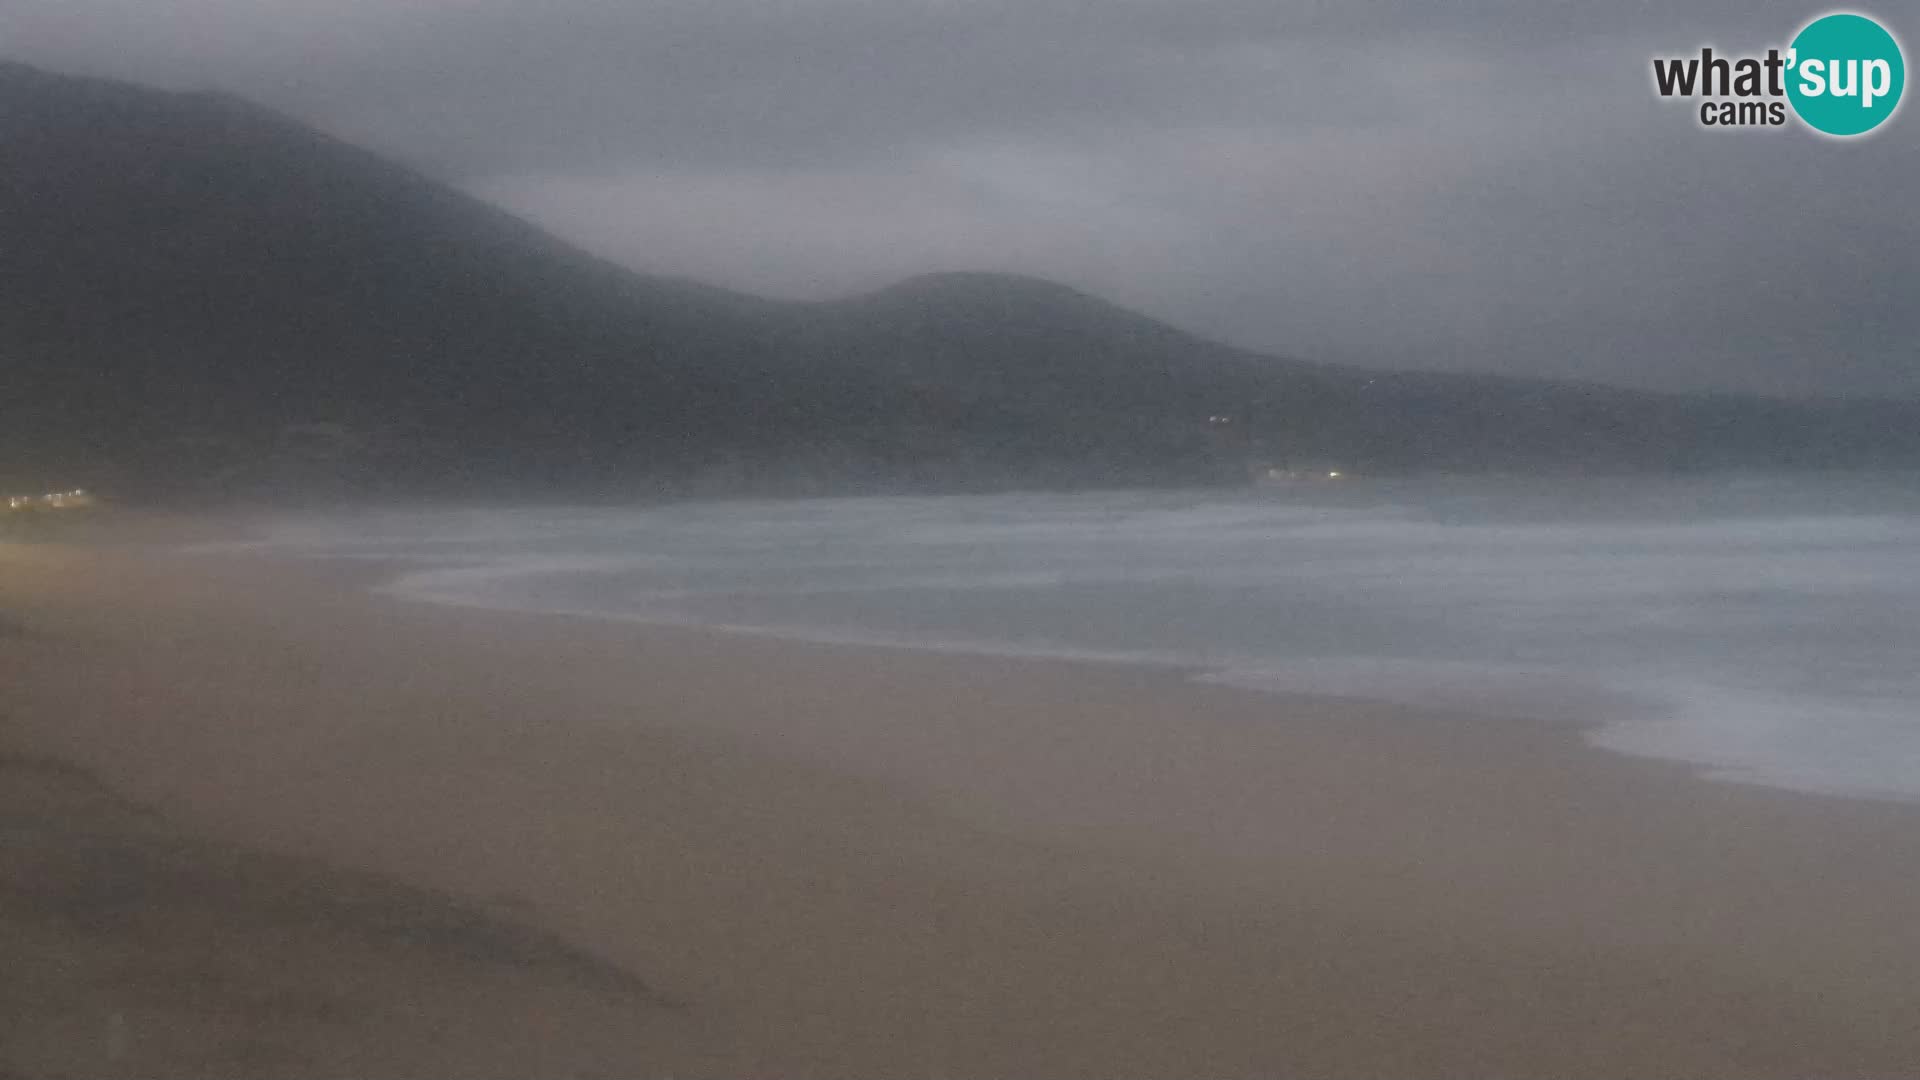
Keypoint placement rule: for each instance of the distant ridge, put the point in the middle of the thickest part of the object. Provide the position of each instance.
(199, 295)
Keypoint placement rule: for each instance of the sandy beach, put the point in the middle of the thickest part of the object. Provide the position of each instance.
(260, 821)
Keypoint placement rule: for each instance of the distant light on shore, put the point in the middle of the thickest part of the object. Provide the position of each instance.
(76, 499)
(1312, 474)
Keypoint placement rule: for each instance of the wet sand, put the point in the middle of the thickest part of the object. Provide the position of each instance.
(278, 825)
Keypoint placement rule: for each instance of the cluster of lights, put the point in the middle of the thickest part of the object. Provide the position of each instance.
(1277, 473)
(58, 500)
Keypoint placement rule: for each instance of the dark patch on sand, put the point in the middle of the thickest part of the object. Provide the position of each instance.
(107, 911)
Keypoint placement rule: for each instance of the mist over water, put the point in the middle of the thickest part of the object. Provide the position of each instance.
(1765, 628)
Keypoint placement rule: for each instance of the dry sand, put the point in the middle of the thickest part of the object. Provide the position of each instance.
(255, 820)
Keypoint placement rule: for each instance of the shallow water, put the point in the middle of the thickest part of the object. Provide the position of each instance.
(1765, 628)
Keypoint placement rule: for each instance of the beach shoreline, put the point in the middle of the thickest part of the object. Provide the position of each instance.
(850, 862)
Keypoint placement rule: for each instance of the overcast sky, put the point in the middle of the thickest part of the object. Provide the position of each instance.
(1408, 183)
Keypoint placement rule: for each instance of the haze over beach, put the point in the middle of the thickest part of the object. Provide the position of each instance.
(1761, 627)
(1068, 539)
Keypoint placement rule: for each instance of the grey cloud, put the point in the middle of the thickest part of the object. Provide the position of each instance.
(1488, 184)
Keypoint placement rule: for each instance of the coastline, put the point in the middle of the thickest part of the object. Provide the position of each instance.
(1797, 685)
(846, 862)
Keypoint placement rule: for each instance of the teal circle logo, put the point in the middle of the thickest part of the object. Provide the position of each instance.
(1845, 74)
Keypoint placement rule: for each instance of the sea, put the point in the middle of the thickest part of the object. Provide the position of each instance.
(1763, 628)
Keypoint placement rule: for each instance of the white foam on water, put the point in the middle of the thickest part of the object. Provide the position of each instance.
(1766, 629)
(1862, 748)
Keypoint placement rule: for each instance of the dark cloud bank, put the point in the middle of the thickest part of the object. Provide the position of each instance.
(1488, 185)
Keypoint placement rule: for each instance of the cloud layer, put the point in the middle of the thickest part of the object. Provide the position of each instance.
(1487, 185)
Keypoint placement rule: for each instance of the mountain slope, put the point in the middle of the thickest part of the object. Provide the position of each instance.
(179, 267)
(199, 294)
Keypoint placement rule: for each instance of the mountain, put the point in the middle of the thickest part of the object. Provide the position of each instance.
(187, 275)
(200, 295)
